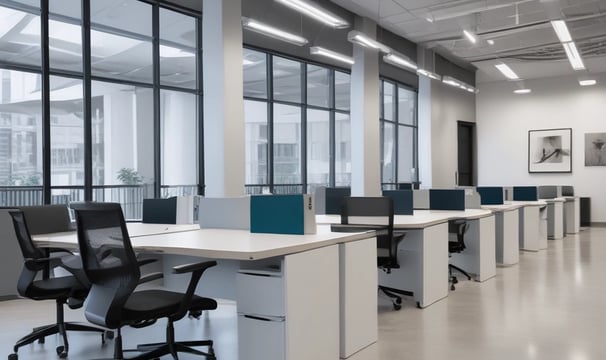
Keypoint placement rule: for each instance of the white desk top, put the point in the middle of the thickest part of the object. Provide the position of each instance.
(420, 219)
(528, 203)
(558, 199)
(502, 207)
(219, 243)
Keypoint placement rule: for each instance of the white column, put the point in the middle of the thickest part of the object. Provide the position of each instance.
(424, 137)
(223, 101)
(365, 127)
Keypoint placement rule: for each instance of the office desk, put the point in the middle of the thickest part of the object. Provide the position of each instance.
(423, 255)
(555, 218)
(533, 224)
(507, 234)
(324, 288)
(572, 214)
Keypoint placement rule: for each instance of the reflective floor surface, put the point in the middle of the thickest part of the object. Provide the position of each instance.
(549, 306)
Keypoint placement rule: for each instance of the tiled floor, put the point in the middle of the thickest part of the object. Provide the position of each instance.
(549, 306)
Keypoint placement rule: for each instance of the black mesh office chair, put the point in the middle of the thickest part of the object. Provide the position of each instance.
(377, 213)
(113, 270)
(70, 290)
(456, 244)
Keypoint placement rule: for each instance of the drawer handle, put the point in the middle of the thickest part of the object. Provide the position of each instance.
(256, 318)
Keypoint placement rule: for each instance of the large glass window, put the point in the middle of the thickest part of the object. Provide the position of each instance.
(318, 86)
(256, 142)
(255, 74)
(342, 150)
(287, 144)
(398, 135)
(65, 35)
(287, 80)
(318, 148)
(177, 49)
(19, 36)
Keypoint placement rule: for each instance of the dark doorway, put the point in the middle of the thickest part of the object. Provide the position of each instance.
(466, 140)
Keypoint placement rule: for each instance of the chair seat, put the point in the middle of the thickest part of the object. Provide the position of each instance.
(54, 288)
(146, 304)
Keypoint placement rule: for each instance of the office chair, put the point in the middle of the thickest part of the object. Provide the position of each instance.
(113, 270)
(377, 213)
(70, 290)
(456, 228)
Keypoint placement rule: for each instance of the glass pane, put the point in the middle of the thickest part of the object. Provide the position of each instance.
(122, 133)
(19, 37)
(406, 106)
(256, 134)
(20, 137)
(33, 3)
(67, 132)
(255, 74)
(66, 196)
(343, 150)
(179, 129)
(318, 148)
(177, 49)
(65, 35)
(287, 80)
(121, 40)
(388, 95)
(287, 144)
(342, 90)
(388, 152)
(318, 86)
(406, 145)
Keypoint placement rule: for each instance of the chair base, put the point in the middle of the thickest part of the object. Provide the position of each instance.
(453, 279)
(394, 294)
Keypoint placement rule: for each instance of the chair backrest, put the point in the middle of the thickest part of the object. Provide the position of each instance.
(28, 248)
(160, 211)
(457, 228)
(109, 262)
(373, 211)
(46, 219)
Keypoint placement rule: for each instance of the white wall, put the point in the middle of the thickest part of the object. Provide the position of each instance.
(503, 121)
(447, 106)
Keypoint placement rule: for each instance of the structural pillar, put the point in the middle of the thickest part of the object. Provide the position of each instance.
(224, 157)
(365, 125)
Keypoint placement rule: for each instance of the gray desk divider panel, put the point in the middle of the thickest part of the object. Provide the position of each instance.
(420, 199)
(320, 200)
(525, 193)
(472, 199)
(491, 195)
(567, 191)
(442, 199)
(402, 201)
(224, 213)
(548, 192)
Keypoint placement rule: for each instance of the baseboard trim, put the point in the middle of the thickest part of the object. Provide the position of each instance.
(8, 297)
(598, 224)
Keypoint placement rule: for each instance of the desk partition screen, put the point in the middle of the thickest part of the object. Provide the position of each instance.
(547, 192)
(402, 201)
(441, 199)
(160, 211)
(334, 199)
(490, 195)
(525, 193)
(567, 191)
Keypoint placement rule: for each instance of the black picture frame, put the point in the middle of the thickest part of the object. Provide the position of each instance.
(550, 151)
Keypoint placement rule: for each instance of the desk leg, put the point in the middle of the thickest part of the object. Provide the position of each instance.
(509, 238)
(530, 223)
(423, 259)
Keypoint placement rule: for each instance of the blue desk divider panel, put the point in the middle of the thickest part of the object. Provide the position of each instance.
(160, 211)
(282, 214)
(525, 193)
(334, 199)
(441, 199)
(490, 195)
(402, 201)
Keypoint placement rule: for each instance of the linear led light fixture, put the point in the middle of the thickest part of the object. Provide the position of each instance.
(316, 12)
(506, 70)
(573, 56)
(317, 50)
(587, 82)
(490, 42)
(264, 29)
(362, 39)
(561, 30)
(429, 74)
(470, 36)
(399, 60)
(449, 80)
(522, 91)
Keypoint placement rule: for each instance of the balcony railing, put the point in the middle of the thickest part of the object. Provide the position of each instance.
(129, 196)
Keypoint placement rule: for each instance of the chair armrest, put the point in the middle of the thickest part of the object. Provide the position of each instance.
(187, 268)
(41, 263)
(142, 262)
(59, 250)
(150, 277)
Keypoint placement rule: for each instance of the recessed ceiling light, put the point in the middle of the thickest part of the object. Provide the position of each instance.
(490, 42)
(522, 91)
(587, 82)
(573, 56)
(506, 70)
(470, 36)
(561, 30)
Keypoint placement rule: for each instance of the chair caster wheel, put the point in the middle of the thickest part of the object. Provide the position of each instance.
(452, 287)
(109, 335)
(397, 306)
(13, 357)
(61, 352)
(41, 341)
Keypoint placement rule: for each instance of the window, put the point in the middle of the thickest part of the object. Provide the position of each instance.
(318, 86)
(287, 80)
(287, 144)
(178, 49)
(19, 36)
(398, 135)
(255, 74)
(255, 133)
(318, 148)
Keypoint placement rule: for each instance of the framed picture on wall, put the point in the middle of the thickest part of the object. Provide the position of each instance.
(595, 149)
(550, 151)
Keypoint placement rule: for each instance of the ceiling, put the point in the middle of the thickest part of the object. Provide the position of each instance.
(521, 31)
